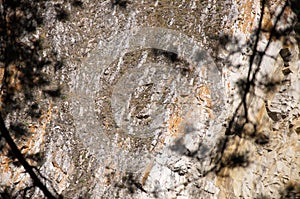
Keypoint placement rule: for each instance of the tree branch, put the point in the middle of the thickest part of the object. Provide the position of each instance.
(29, 169)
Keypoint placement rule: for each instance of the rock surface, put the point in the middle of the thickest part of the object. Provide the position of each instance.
(148, 90)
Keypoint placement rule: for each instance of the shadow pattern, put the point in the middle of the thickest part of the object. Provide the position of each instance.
(23, 71)
(224, 158)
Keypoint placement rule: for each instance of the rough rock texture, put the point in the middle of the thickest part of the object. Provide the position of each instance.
(147, 93)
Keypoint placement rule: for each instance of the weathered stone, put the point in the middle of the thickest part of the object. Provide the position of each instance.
(286, 70)
(285, 54)
(150, 93)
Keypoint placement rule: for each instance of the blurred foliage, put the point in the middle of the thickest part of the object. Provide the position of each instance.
(290, 191)
(23, 64)
(225, 157)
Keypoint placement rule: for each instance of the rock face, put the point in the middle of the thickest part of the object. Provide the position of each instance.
(163, 99)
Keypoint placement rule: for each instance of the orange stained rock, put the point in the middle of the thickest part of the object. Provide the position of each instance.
(260, 114)
(14, 83)
(123, 144)
(204, 99)
(120, 144)
(247, 18)
(174, 122)
(6, 162)
(262, 119)
(2, 70)
(37, 132)
(57, 166)
(269, 16)
(203, 95)
(147, 172)
(267, 23)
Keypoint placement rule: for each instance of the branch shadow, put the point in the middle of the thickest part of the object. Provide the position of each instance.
(227, 154)
(24, 75)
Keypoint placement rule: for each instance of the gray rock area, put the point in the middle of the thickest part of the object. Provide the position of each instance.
(151, 99)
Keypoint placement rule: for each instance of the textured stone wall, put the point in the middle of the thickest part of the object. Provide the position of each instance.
(151, 101)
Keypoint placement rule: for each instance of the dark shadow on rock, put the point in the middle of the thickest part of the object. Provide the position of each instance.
(295, 5)
(130, 183)
(180, 148)
(173, 57)
(222, 157)
(61, 13)
(77, 3)
(290, 191)
(23, 76)
(120, 3)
